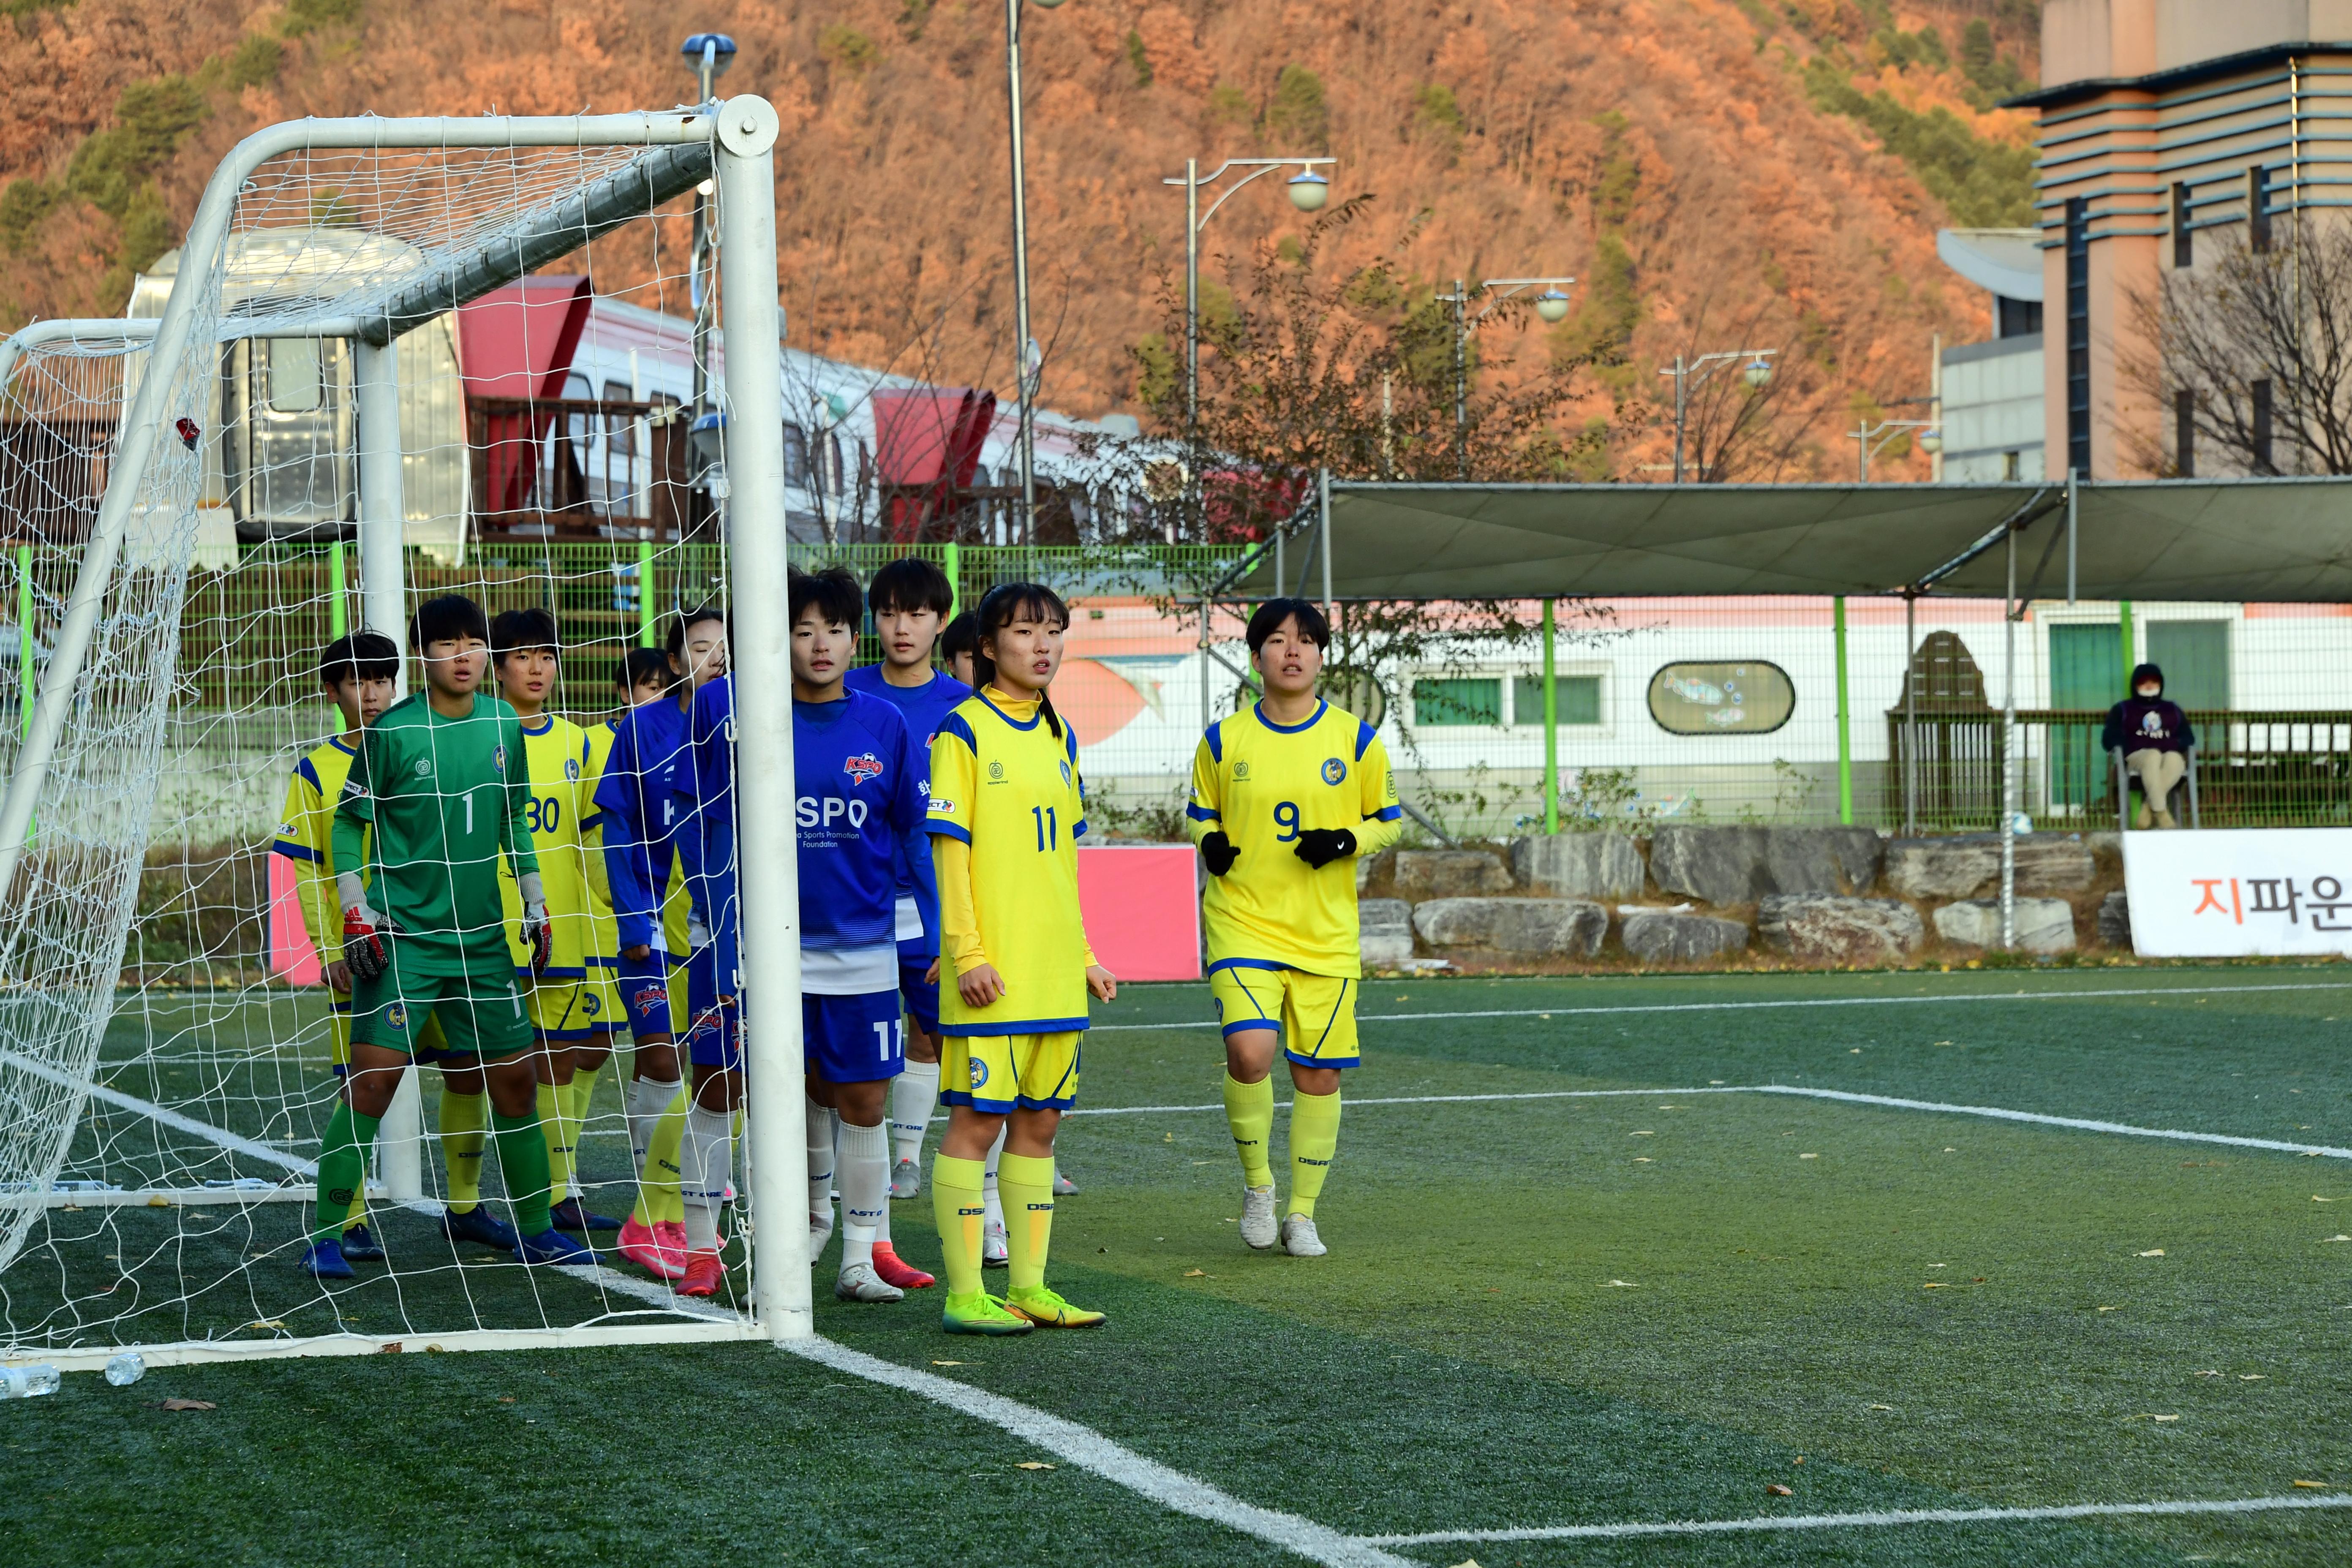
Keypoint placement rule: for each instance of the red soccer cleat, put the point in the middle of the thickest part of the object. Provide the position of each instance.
(643, 1246)
(897, 1271)
(704, 1274)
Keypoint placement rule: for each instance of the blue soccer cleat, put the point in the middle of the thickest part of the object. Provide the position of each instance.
(324, 1260)
(360, 1246)
(551, 1246)
(570, 1216)
(477, 1226)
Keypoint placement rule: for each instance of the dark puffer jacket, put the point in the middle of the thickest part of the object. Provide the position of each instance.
(2147, 723)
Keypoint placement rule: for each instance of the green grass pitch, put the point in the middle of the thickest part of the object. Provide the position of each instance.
(1536, 1312)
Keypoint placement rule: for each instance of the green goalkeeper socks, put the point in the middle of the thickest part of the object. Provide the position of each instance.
(522, 1161)
(342, 1169)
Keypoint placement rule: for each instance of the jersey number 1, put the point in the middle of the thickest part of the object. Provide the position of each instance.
(1047, 839)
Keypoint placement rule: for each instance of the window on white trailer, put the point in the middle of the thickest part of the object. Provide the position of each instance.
(620, 427)
(796, 455)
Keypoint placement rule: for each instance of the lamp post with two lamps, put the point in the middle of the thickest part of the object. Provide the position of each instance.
(1689, 374)
(707, 56)
(1874, 437)
(1551, 305)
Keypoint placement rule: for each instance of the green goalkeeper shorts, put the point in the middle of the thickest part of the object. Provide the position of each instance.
(480, 1010)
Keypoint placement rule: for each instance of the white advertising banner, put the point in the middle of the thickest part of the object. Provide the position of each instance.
(2240, 892)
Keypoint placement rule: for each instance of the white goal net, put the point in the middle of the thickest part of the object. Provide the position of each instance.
(357, 386)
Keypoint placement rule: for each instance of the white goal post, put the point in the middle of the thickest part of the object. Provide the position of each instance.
(57, 998)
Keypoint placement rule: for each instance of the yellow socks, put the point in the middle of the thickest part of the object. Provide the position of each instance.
(464, 1133)
(1024, 1184)
(1314, 1140)
(1249, 1111)
(956, 1204)
(559, 1142)
(573, 1099)
(659, 1201)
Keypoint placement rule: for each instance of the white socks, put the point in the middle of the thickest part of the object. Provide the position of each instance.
(865, 1190)
(704, 1174)
(648, 1099)
(820, 1124)
(912, 1100)
(995, 1207)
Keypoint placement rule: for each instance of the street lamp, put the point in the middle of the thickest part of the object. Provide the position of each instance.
(1874, 439)
(1551, 305)
(1693, 373)
(707, 56)
(1309, 192)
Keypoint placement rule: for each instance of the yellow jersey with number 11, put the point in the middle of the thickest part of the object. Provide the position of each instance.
(1264, 784)
(1004, 784)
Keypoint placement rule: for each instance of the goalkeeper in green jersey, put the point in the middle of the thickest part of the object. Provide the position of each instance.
(436, 795)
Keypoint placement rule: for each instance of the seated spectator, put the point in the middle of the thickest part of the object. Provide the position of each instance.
(2154, 737)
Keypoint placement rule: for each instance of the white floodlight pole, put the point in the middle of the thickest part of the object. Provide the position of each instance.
(2008, 756)
(383, 608)
(767, 871)
(1023, 382)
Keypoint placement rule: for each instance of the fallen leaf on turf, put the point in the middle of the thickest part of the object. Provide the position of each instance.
(2312, 1486)
(2111, 1308)
(1933, 1284)
(1196, 1274)
(274, 1323)
(2214, 1373)
(1644, 1134)
(2251, 1376)
(1643, 1160)
(2340, 1238)
(2152, 1252)
(1777, 1489)
(947, 1363)
(1881, 1407)
(1033, 1465)
(506, 1399)
(2155, 1417)
(1466, 1561)
(1168, 1137)
(2318, 1199)
(1855, 1052)
(189, 1405)
(1809, 1156)
(1621, 1284)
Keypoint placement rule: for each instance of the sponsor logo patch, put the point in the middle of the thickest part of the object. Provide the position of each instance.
(1241, 769)
(996, 772)
(651, 999)
(862, 768)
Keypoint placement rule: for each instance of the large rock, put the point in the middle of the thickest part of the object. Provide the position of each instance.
(2115, 919)
(2044, 925)
(1822, 859)
(1718, 865)
(1821, 929)
(1578, 864)
(1546, 928)
(1384, 932)
(1739, 865)
(1672, 936)
(1957, 866)
(1448, 873)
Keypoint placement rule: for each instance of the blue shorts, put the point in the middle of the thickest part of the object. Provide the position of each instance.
(645, 995)
(853, 1039)
(923, 996)
(714, 1018)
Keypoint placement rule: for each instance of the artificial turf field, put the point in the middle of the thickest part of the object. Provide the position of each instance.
(1538, 1312)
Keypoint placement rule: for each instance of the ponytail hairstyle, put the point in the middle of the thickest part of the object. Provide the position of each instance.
(1000, 607)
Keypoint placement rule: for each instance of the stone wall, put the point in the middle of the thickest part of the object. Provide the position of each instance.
(1708, 896)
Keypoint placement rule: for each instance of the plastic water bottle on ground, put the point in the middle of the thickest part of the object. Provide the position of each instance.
(27, 1382)
(125, 1369)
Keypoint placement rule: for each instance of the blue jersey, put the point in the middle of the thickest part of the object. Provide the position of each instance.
(923, 708)
(859, 793)
(702, 790)
(640, 815)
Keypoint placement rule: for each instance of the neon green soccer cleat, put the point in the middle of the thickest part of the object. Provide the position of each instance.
(1042, 1307)
(980, 1313)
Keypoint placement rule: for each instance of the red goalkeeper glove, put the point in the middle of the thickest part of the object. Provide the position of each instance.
(538, 925)
(363, 943)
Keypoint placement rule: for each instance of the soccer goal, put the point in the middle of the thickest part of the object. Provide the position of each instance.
(177, 489)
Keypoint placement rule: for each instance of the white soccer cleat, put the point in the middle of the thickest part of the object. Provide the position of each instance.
(906, 1180)
(820, 1233)
(1063, 1186)
(1257, 1217)
(995, 1246)
(1298, 1237)
(858, 1282)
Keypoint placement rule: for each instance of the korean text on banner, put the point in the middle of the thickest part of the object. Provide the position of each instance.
(2240, 892)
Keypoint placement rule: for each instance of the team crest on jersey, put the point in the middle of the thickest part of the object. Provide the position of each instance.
(498, 758)
(996, 772)
(1066, 772)
(398, 1015)
(592, 1003)
(424, 767)
(861, 769)
(1334, 770)
(978, 1072)
(1241, 770)
(571, 769)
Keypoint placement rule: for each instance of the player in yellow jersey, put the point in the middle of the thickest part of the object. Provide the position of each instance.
(563, 1007)
(1287, 795)
(1006, 812)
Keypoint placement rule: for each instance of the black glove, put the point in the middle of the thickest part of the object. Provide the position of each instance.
(1319, 846)
(1218, 852)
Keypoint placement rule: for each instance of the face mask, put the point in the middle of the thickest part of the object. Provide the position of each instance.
(2151, 691)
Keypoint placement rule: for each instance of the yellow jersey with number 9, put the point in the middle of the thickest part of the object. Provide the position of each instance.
(563, 791)
(1262, 785)
(1004, 784)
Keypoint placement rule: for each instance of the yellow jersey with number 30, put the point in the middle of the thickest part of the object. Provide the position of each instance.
(1262, 785)
(563, 791)
(1004, 785)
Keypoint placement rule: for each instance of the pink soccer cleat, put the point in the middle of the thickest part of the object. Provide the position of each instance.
(672, 1233)
(896, 1270)
(641, 1244)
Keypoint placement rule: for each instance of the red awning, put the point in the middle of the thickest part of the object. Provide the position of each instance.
(929, 439)
(518, 342)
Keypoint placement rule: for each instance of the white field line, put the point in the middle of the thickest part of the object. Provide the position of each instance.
(1864, 1520)
(1423, 1100)
(2117, 1129)
(1793, 1001)
(168, 1117)
(1090, 1450)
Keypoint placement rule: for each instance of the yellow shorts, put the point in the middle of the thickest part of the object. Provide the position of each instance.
(994, 1073)
(567, 1009)
(1314, 1014)
(600, 998)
